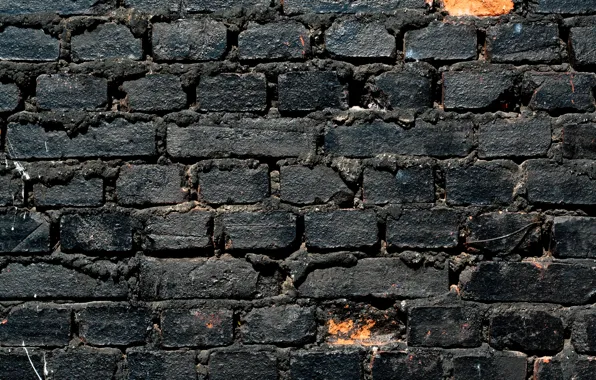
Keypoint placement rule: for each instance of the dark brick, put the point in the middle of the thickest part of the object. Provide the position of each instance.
(77, 192)
(259, 230)
(36, 325)
(444, 327)
(437, 228)
(155, 93)
(113, 325)
(62, 7)
(24, 231)
(567, 183)
(278, 40)
(560, 92)
(197, 278)
(582, 43)
(196, 40)
(15, 365)
(290, 324)
(441, 41)
(140, 185)
(153, 6)
(257, 138)
(233, 93)
(463, 90)
(328, 365)
(350, 6)
(576, 368)
(535, 331)
(303, 186)
(484, 183)
(514, 138)
(84, 364)
(444, 139)
(10, 97)
(523, 42)
(418, 365)
(104, 232)
(104, 42)
(237, 185)
(71, 92)
(237, 365)
(197, 327)
(529, 282)
(566, 6)
(378, 277)
(11, 190)
(409, 185)
(497, 366)
(353, 38)
(310, 91)
(341, 229)
(406, 89)
(222, 5)
(496, 232)
(116, 139)
(179, 231)
(18, 44)
(583, 334)
(579, 141)
(574, 236)
(42, 280)
(171, 365)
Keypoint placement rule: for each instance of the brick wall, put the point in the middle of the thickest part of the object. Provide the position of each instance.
(304, 189)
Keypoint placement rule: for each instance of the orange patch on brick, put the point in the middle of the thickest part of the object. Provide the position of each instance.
(4, 321)
(350, 332)
(478, 7)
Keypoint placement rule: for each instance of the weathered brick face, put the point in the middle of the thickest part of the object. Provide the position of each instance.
(298, 189)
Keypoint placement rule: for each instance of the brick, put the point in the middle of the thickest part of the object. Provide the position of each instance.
(417, 365)
(19, 44)
(171, 365)
(275, 41)
(341, 229)
(529, 282)
(310, 91)
(104, 232)
(302, 185)
(196, 40)
(583, 333)
(233, 93)
(443, 139)
(353, 38)
(139, 185)
(222, 5)
(238, 185)
(155, 93)
(578, 141)
(77, 192)
(237, 364)
(15, 365)
(197, 327)
(406, 89)
(196, 278)
(349, 6)
(535, 331)
(474, 90)
(259, 230)
(574, 236)
(580, 368)
(153, 6)
(514, 138)
(107, 41)
(11, 190)
(567, 183)
(566, 6)
(446, 327)
(10, 97)
(503, 225)
(438, 228)
(113, 325)
(71, 92)
(582, 40)
(24, 231)
(409, 185)
(179, 231)
(260, 138)
(287, 325)
(62, 7)
(484, 183)
(42, 280)
(377, 277)
(560, 92)
(441, 41)
(118, 138)
(37, 325)
(328, 365)
(84, 363)
(490, 366)
(523, 42)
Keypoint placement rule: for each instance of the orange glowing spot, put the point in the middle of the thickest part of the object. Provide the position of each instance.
(4, 321)
(340, 327)
(209, 325)
(349, 333)
(478, 7)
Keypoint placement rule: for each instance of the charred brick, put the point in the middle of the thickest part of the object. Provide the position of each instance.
(105, 42)
(15, 365)
(227, 365)
(535, 331)
(19, 44)
(140, 185)
(196, 40)
(415, 365)
(179, 231)
(303, 186)
(472, 90)
(558, 92)
(490, 366)
(582, 41)
(24, 231)
(11, 190)
(514, 138)
(113, 325)
(574, 236)
(441, 41)
(62, 7)
(406, 89)
(84, 363)
(437, 228)
(104, 232)
(197, 327)
(223, 5)
(579, 141)
(10, 97)
(484, 183)
(153, 6)
(579, 368)
(279, 40)
(566, 6)
(155, 93)
(71, 92)
(356, 39)
(259, 230)
(444, 327)
(583, 334)
(174, 365)
(238, 185)
(328, 365)
(233, 93)
(290, 324)
(341, 229)
(349, 6)
(523, 42)
(310, 91)
(504, 233)
(38, 326)
(409, 185)
(567, 183)
(77, 192)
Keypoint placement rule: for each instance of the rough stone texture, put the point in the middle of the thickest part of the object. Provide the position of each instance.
(535, 331)
(475, 89)
(10, 97)
(310, 91)
(578, 141)
(567, 183)
(582, 335)
(237, 364)
(490, 366)
(78, 192)
(175, 365)
(514, 138)
(580, 368)
(582, 42)
(288, 325)
(237, 185)
(11, 190)
(249, 92)
(197, 40)
(266, 230)
(444, 327)
(139, 185)
(62, 7)
(387, 364)
(559, 92)
(18, 44)
(574, 236)
(486, 182)
(523, 42)
(441, 42)
(340, 229)
(38, 326)
(105, 42)
(179, 231)
(84, 363)
(408, 185)
(197, 327)
(355, 39)
(424, 229)
(330, 365)
(155, 93)
(302, 185)
(392, 85)
(276, 41)
(109, 231)
(68, 92)
(516, 232)
(566, 6)
(350, 6)
(24, 232)
(113, 325)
